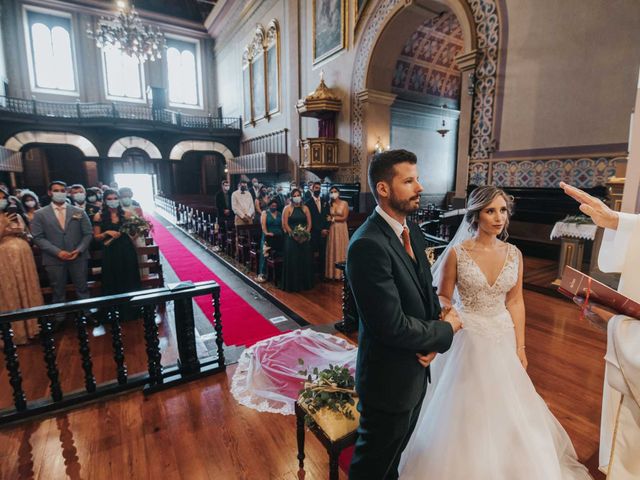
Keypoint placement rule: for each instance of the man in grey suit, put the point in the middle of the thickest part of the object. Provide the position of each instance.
(63, 234)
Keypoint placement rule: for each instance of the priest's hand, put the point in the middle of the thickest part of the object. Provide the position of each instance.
(595, 208)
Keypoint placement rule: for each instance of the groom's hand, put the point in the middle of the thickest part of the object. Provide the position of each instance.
(425, 360)
(453, 318)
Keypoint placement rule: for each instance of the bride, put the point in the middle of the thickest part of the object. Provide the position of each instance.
(482, 418)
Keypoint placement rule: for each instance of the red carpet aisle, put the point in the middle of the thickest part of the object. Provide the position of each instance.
(241, 323)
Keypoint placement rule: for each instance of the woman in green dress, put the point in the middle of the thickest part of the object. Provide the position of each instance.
(297, 269)
(271, 244)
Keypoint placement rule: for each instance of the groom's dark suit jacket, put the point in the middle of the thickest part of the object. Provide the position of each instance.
(399, 313)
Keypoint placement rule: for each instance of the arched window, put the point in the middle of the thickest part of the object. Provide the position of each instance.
(183, 73)
(123, 75)
(51, 54)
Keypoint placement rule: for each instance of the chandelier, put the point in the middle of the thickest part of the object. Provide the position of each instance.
(127, 33)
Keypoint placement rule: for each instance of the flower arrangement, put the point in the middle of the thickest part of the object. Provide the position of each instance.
(300, 234)
(136, 226)
(331, 388)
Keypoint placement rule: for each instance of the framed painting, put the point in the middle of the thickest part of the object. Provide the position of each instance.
(246, 94)
(329, 19)
(258, 82)
(273, 79)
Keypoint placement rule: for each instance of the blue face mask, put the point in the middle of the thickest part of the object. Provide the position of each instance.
(126, 201)
(59, 197)
(79, 197)
(113, 203)
(3, 203)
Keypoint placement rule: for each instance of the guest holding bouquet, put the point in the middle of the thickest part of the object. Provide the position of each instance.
(271, 221)
(297, 271)
(120, 273)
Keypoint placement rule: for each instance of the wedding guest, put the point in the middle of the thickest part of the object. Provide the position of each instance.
(243, 205)
(271, 221)
(30, 204)
(297, 270)
(94, 200)
(20, 282)
(261, 203)
(63, 234)
(128, 203)
(79, 199)
(254, 190)
(320, 226)
(338, 238)
(120, 272)
(281, 198)
(223, 205)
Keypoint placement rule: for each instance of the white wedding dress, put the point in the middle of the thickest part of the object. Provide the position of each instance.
(482, 418)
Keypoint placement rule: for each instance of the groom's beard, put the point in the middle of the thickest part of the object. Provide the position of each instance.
(404, 206)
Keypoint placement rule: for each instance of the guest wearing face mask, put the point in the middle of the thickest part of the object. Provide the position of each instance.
(223, 205)
(271, 244)
(94, 198)
(261, 203)
(281, 198)
(18, 273)
(254, 189)
(319, 214)
(243, 205)
(63, 234)
(128, 203)
(120, 272)
(30, 204)
(297, 269)
(338, 238)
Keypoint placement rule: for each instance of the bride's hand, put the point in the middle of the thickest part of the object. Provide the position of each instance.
(522, 356)
(425, 360)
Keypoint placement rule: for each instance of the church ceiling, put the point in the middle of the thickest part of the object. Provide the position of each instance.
(426, 66)
(194, 10)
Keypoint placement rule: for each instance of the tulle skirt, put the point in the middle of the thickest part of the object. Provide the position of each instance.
(482, 418)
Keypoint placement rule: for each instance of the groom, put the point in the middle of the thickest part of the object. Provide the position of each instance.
(400, 330)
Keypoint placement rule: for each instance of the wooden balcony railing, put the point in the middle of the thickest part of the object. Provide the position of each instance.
(114, 112)
(158, 376)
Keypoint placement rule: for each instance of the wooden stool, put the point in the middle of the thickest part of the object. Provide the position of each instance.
(333, 445)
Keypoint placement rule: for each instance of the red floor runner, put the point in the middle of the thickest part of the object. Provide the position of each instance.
(241, 323)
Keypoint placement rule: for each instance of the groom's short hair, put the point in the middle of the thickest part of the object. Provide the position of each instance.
(382, 166)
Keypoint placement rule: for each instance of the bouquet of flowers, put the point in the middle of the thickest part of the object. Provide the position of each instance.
(300, 234)
(136, 226)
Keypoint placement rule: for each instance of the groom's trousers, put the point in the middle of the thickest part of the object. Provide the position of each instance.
(382, 437)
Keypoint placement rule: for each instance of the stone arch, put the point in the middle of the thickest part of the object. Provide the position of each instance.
(180, 148)
(19, 140)
(117, 148)
(370, 87)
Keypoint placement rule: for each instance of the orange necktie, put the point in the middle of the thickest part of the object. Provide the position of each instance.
(61, 219)
(406, 240)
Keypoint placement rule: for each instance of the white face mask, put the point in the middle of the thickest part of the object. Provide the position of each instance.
(59, 197)
(79, 197)
(3, 203)
(225, 188)
(126, 201)
(30, 203)
(296, 200)
(335, 195)
(113, 203)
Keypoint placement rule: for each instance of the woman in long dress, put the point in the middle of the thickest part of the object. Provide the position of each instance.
(338, 239)
(18, 273)
(482, 418)
(297, 268)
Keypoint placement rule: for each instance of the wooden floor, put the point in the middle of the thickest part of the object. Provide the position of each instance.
(198, 431)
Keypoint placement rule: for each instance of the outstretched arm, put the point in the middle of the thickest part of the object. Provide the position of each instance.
(371, 279)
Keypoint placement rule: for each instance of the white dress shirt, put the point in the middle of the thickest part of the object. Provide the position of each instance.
(395, 225)
(242, 204)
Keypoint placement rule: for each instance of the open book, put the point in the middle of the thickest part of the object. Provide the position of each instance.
(575, 284)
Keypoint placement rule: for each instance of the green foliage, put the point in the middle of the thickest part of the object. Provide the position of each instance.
(578, 219)
(331, 388)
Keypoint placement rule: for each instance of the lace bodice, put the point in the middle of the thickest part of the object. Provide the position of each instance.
(484, 305)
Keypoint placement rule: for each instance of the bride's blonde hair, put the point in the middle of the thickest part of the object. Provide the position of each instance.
(480, 199)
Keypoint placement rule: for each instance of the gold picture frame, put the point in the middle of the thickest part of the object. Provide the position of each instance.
(328, 35)
(359, 9)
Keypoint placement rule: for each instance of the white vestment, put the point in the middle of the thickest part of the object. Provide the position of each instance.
(620, 427)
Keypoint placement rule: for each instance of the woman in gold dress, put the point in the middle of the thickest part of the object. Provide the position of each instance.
(20, 283)
(338, 239)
